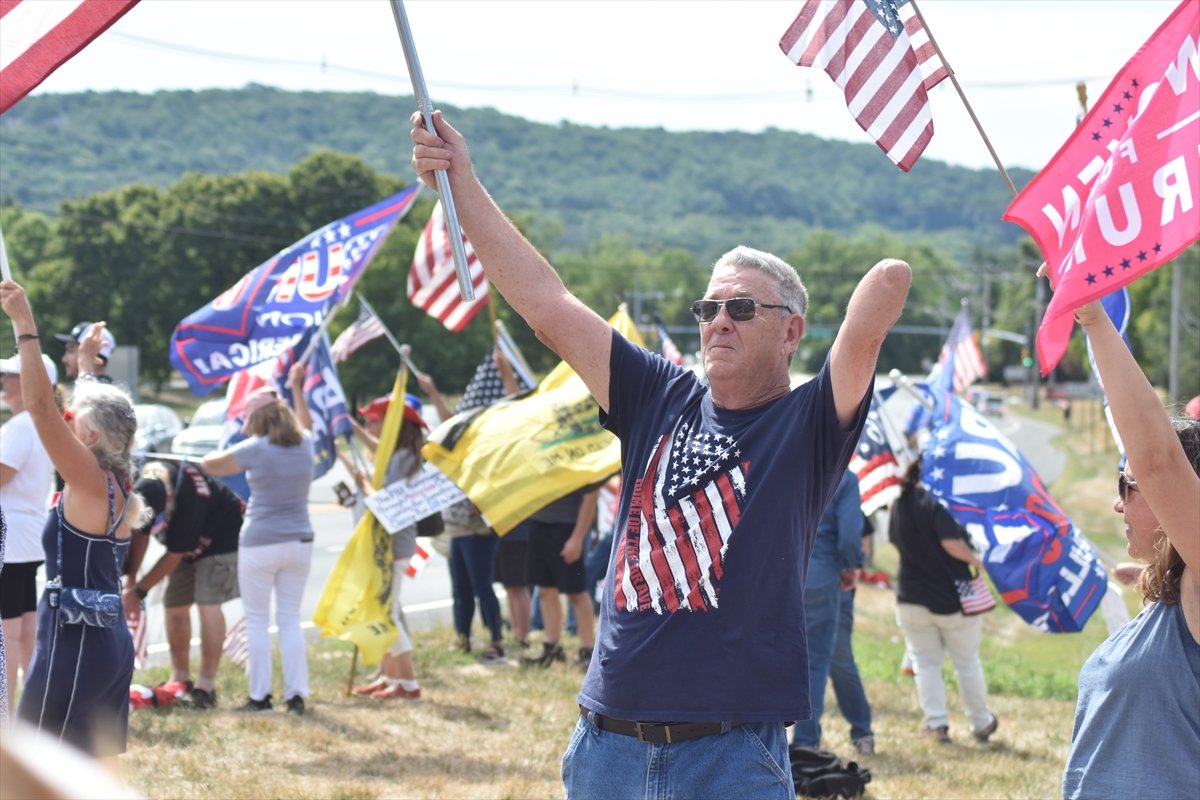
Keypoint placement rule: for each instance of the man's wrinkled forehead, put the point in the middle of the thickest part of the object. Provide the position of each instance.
(735, 280)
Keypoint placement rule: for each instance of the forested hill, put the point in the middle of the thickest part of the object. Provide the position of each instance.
(701, 191)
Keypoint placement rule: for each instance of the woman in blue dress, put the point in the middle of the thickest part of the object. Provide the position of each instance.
(78, 686)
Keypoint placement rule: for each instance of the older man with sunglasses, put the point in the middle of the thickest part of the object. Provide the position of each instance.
(701, 661)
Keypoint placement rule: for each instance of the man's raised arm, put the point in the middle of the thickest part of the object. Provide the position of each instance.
(873, 309)
(577, 334)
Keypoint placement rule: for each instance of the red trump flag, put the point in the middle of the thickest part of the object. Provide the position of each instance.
(1119, 198)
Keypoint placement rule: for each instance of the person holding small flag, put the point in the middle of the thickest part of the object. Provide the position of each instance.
(700, 660)
(935, 556)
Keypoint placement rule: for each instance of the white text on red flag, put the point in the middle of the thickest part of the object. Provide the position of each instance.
(1119, 198)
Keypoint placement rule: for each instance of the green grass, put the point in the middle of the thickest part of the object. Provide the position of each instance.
(499, 732)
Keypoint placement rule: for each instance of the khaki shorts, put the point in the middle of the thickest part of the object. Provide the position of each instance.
(208, 581)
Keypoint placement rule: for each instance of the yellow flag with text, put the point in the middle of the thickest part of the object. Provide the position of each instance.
(354, 604)
(518, 456)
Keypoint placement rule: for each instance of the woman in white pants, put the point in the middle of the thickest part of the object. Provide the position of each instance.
(935, 553)
(275, 552)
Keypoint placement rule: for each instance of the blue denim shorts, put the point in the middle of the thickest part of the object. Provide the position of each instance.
(750, 761)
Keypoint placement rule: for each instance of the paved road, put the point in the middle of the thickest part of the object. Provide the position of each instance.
(1033, 438)
(426, 599)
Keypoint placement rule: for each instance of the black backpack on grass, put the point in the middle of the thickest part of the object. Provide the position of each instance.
(820, 773)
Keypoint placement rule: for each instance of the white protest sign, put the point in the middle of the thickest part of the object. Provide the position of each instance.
(402, 503)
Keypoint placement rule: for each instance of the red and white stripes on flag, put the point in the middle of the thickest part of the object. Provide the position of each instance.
(138, 625)
(39, 36)
(362, 330)
(874, 464)
(235, 647)
(962, 354)
(432, 281)
(416, 564)
(881, 57)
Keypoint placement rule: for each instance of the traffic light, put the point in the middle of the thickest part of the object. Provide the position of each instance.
(1026, 358)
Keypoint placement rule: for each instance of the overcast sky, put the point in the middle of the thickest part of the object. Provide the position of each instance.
(680, 65)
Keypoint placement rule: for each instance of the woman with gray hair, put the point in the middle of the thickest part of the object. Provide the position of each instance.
(78, 687)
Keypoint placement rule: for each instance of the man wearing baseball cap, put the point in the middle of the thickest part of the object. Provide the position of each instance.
(72, 340)
(26, 477)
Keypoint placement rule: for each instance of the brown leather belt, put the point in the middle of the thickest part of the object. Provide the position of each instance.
(655, 732)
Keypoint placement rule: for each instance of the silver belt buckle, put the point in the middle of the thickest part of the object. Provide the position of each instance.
(638, 726)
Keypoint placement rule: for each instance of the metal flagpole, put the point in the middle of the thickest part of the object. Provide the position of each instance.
(386, 332)
(963, 96)
(890, 432)
(312, 343)
(425, 106)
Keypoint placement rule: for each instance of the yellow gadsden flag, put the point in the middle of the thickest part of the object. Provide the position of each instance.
(354, 602)
(518, 456)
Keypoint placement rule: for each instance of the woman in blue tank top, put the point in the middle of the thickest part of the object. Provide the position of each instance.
(1137, 724)
(78, 686)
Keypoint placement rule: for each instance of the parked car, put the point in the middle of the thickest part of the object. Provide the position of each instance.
(992, 405)
(157, 427)
(203, 432)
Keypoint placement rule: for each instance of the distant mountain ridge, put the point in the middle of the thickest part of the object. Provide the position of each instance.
(701, 191)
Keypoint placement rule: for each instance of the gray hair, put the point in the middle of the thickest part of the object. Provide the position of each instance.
(788, 284)
(107, 411)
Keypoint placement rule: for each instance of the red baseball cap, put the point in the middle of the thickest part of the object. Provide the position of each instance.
(377, 409)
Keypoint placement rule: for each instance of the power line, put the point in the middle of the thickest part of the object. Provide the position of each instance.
(573, 89)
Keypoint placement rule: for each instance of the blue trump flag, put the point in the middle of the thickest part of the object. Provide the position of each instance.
(1044, 571)
(327, 405)
(271, 308)
(1119, 308)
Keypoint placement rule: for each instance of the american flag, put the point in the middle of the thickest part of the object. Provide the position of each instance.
(39, 37)
(961, 355)
(235, 646)
(432, 281)
(416, 564)
(362, 330)
(881, 57)
(684, 509)
(874, 464)
(669, 351)
(138, 625)
(486, 386)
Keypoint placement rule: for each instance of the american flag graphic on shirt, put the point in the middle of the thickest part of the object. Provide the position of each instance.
(682, 512)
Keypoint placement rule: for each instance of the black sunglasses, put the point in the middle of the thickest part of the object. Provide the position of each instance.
(1125, 486)
(741, 309)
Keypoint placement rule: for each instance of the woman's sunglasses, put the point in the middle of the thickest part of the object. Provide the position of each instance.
(1125, 486)
(741, 309)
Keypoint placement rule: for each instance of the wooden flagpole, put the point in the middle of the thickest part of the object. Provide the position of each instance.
(963, 96)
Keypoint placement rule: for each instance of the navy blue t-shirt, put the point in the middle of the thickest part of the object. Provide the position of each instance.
(702, 616)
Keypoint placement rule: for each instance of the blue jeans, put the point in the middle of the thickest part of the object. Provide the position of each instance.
(843, 672)
(471, 563)
(750, 761)
(820, 625)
